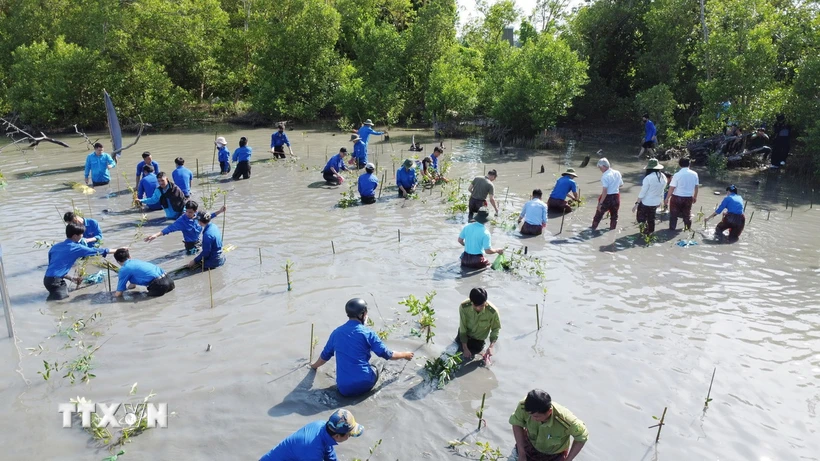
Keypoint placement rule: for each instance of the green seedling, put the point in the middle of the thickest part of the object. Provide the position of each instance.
(442, 369)
(427, 315)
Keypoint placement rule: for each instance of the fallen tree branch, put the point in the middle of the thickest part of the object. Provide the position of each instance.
(13, 130)
(136, 140)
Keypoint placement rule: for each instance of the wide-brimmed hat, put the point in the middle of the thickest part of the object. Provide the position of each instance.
(342, 422)
(368, 122)
(408, 163)
(570, 172)
(221, 141)
(355, 138)
(653, 165)
(482, 217)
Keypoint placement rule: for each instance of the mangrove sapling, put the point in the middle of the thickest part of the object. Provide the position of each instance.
(480, 412)
(288, 266)
(115, 456)
(372, 450)
(100, 434)
(660, 424)
(708, 394)
(427, 315)
(138, 426)
(442, 369)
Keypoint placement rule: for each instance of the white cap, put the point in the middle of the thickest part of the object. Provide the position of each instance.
(221, 141)
(370, 166)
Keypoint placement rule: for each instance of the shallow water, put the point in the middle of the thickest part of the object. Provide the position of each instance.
(627, 330)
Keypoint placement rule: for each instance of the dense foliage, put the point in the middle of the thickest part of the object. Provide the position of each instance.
(404, 61)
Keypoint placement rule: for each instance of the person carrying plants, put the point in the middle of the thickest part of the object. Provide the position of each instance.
(564, 187)
(278, 141)
(134, 272)
(478, 319)
(542, 430)
(406, 178)
(352, 344)
(475, 238)
(480, 189)
(167, 195)
(651, 196)
(534, 215)
(332, 173)
(316, 440)
(734, 220)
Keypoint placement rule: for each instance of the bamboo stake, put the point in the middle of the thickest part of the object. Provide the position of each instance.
(213, 159)
(563, 213)
(311, 344)
(197, 168)
(787, 203)
(210, 286)
(481, 411)
(506, 195)
(660, 425)
(287, 274)
(525, 250)
(384, 178)
(537, 317)
(260, 256)
(333, 247)
(744, 206)
(768, 213)
(399, 231)
(108, 268)
(532, 165)
(710, 387)
(791, 215)
(224, 214)
(752, 216)
(811, 204)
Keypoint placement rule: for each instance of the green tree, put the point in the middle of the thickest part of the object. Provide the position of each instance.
(453, 90)
(660, 103)
(296, 66)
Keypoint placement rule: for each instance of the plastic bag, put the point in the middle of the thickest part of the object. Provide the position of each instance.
(500, 261)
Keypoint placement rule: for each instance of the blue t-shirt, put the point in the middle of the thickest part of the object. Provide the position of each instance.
(563, 186)
(92, 230)
(98, 167)
(406, 178)
(650, 130)
(189, 227)
(148, 184)
(352, 344)
(182, 178)
(732, 203)
(141, 164)
(224, 154)
(535, 212)
(211, 247)
(242, 154)
(279, 139)
(360, 152)
(476, 238)
(61, 256)
(368, 183)
(310, 443)
(336, 162)
(137, 272)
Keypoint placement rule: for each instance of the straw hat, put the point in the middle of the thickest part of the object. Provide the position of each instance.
(653, 165)
(570, 172)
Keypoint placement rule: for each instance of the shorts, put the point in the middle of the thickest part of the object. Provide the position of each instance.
(648, 145)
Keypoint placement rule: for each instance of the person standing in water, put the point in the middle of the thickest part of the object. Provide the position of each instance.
(610, 198)
(367, 184)
(564, 187)
(478, 320)
(63, 255)
(480, 189)
(352, 344)
(211, 256)
(542, 430)
(475, 238)
(278, 141)
(651, 196)
(242, 155)
(683, 193)
(93, 234)
(147, 185)
(534, 215)
(332, 173)
(189, 225)
(224, 155)
(97, 165)
(182, 177)
(134, 272)
(146, 160)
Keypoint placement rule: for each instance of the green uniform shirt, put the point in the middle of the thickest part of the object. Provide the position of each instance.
(478, 325)
(551, 437)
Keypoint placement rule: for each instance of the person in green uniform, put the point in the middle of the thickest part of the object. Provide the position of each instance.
(542, 430)
(478, 319)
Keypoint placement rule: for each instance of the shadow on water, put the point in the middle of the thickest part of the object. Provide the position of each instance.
(580, 237)
(321, 185)
(426, 386)
(306, 401)
(636, 240)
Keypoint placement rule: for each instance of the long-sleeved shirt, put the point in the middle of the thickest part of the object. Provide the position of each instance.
(366, 130)
(310, 443)
(406, 178)
(367, 185)
(279, 139)
(336, 162)
(242, 154)
(551, 436)
(650, 130)
(563, 186)
(224, 154)
(211, 247)
(434, 159)
(63, 255)
(141, 164)
(732, 203)
(360, 152)
(98, 165)
(170, 213)
(182, 178)
(92, 230)
(535, 212)
(352, 344)
(137, 272)
(148, 184)
(478, 325)
(652, 188)
(189, 227)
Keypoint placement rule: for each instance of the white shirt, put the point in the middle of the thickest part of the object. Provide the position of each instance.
(652, 189)
(684, 181)
(612, 180)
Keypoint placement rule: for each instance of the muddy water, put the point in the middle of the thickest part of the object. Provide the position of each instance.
(627, 331)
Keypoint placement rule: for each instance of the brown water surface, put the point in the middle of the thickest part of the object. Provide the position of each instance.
(628, 329)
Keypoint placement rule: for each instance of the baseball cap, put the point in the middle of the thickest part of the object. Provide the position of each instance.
(370, 166)
(342, 422)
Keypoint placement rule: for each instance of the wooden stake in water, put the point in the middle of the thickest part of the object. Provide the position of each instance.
(197, 168)
(384, 178)
(537, 316)
(506, 195)
(480, 413)
(333, 247)
(710, 388)
(108, 268)
(744, 207)
(768, 213)
(787, 203)
(224, 214)
(311, 344)
(791, 215)
(532, 165)
(399, 231)
(287, 274)
(210, 286)
(525, 250)
(260, 256)
(213, 159)
(660, 425)
(563, 213)
(750, 217)
(811, 203)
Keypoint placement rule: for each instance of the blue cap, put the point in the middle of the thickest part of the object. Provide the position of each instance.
(732, 188)
(342, 422)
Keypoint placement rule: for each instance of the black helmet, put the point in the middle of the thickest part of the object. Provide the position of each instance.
(355, 308)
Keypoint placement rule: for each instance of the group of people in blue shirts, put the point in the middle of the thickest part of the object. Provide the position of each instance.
(155, 191)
